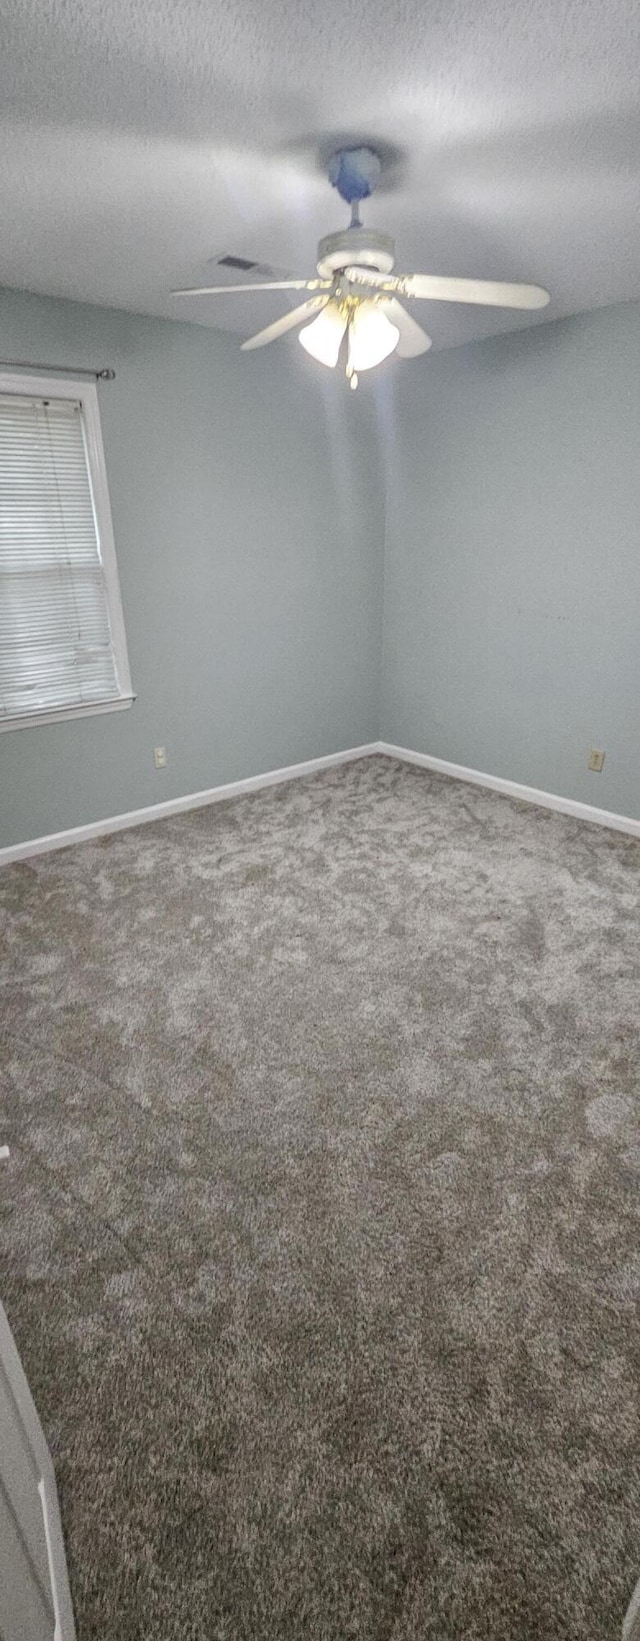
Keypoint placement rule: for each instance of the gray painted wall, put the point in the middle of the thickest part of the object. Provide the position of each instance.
(248, 497)
(512, 568)
(249, 520)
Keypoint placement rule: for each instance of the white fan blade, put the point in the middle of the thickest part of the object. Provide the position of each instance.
(486, 292)
(434, 288)
(287, 322)
(413, 339)
(264, 285)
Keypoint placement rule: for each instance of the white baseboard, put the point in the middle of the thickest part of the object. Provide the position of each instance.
(513, 789)
(177, 806)
(292, 772)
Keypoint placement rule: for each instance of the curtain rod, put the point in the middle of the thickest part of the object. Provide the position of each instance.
(105, 375)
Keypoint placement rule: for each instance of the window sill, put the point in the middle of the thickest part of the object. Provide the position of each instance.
(30, 720)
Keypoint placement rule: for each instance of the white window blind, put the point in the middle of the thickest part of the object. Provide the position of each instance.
(59, 640)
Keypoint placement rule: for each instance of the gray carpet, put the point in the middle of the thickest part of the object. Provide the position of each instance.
(320, 1231)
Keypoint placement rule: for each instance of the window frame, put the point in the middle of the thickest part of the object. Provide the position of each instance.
(86, 393)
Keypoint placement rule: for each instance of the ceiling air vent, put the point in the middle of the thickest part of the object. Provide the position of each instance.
(239, 262)
(246, 265)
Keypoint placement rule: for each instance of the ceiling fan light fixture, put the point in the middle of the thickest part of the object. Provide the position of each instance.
(372, 337)
(357, 290)
(322, 338)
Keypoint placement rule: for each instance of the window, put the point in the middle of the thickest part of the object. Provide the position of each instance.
(62, 641)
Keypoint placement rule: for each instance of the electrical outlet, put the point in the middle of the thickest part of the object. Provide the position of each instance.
(160, 757)
(595, 761)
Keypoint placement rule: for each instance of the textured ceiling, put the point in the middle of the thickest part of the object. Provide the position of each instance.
(141, 139)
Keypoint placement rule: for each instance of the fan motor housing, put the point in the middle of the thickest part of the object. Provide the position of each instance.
(360, 247)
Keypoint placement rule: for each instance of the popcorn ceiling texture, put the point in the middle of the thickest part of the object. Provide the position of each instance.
(141, 139)
(319, 1236)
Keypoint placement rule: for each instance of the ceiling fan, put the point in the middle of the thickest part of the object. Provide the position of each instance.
(356, 293)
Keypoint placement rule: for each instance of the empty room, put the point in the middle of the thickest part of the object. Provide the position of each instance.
(319, 821)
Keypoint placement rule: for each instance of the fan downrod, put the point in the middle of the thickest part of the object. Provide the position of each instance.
(355, 172)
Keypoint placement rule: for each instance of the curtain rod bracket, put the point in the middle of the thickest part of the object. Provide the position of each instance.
(104, 375)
